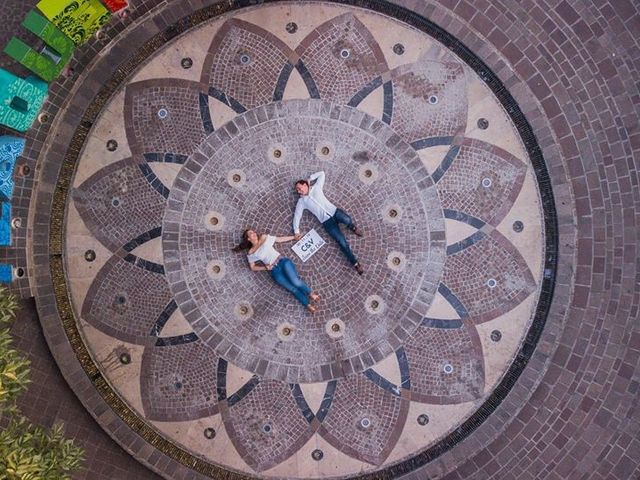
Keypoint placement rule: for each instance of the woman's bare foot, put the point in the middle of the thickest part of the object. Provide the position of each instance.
(311, 308)
(314, 297)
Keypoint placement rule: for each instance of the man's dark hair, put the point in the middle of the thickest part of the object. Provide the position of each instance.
(302, 182)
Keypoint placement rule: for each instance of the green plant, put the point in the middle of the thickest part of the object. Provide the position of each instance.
(14, 374)
(27, 452)
(8, 307)
(33, 453)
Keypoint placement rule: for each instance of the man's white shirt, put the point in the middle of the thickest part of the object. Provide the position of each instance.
(315, 202)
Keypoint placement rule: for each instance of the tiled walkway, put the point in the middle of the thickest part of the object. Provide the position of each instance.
(424, 358)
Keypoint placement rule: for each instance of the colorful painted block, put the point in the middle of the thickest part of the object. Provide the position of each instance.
(20, 100)
(115, 5)
(5, 224)
(6, 273)
(49, 62)
(78, 19)
(10, 150)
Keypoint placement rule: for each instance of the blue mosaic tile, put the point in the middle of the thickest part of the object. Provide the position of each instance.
(5, 224)
(6, 273)
(10, 149)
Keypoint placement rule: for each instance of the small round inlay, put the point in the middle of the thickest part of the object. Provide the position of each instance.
(125, 358)
(483, 123)
(496, 335)
(90, 255)
(486, 182)
(317, 454)
(433, 99)
(186, 63)
(398, 49)
(447, 368)
(518, 226)
(112, 145)
(345, 53)
(492, 283)
(292, 27)
(423, 419)
(209, 433)
(163, 113)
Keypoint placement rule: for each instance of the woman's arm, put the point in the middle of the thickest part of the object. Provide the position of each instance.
(287, 238)
(258, 268)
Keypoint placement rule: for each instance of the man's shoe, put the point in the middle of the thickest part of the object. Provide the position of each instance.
(359, 268)
(356, 231)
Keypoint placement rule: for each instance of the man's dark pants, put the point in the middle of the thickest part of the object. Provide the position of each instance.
(332, 227)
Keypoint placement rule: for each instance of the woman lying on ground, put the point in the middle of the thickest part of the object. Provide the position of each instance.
(283, 271)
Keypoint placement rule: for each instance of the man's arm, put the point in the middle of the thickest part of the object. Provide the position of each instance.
(319, 178)
(297, 216)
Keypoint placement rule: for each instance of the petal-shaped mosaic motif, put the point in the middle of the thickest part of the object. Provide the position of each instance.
(489, 277)
(166, 116)
(118, 204)
(178, 382)
(428, 103)
(483, 180)
(364, 420)
(125, 301)
(244, 64)
(342, 57)
(445, 363)
(265, 425)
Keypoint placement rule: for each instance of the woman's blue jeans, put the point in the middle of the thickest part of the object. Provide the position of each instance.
(285, 274)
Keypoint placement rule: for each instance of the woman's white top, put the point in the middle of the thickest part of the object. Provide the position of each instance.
(265, 252)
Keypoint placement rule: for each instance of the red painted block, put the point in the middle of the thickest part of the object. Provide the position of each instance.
(115, 5)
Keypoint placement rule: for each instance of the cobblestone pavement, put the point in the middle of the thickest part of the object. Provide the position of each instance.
(420, 365)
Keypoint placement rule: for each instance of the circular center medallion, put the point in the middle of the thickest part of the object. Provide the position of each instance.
(264, 200)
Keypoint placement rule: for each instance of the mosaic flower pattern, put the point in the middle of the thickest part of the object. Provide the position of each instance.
(362, 412)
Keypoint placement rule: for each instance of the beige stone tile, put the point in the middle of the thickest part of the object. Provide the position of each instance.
(110, 125)
(336, 463)
(440, 308)
(415, 43)
(151, 250)
(166, 63)
(274, 19)
(527, 209)
(220, 113)
(296, 87)
(483, 104)
(373, 104)
(79, 272)
(389, 369)
(457, 231)
(442, 419)
(498, 355)
(236, 378)
(432, 157)
(313, 394)
(125, 379)
(176, 325)
(166, 172)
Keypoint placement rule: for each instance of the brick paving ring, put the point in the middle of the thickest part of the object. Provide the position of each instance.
(264, 199)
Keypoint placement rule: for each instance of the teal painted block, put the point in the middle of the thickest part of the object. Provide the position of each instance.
(20, 100)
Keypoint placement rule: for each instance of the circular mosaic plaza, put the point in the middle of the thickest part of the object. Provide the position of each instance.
(205, 139)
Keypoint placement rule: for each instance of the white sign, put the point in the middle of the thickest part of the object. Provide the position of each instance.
(308, 245)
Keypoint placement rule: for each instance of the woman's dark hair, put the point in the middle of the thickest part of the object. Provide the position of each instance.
(245, 244)
(302, 182)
